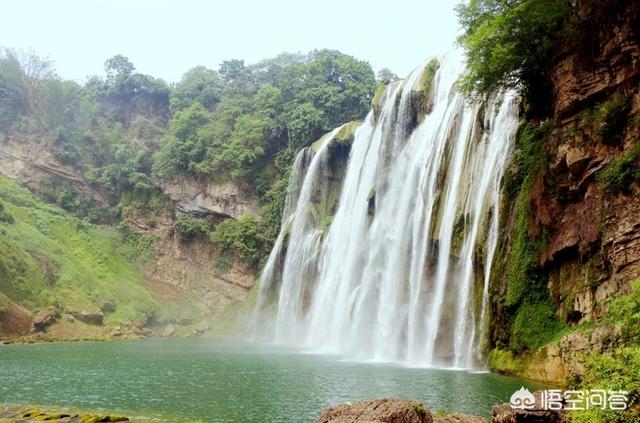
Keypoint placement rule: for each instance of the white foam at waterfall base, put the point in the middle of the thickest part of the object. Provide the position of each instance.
(400, 284)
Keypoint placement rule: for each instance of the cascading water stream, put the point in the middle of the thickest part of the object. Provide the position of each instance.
(271, 271)
(395, 276)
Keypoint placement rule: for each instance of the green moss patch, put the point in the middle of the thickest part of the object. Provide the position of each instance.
(620, 173)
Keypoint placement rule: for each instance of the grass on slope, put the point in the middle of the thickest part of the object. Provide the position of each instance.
(48, 257)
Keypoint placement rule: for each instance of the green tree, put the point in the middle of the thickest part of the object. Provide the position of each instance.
(510, 42)
(21, 76)
(198, 84)
(186, 145)
(241, 236)
(118, 67)
(386, 75)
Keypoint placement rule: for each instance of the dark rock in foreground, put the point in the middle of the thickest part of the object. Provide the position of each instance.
(389, 410)
(382, 410)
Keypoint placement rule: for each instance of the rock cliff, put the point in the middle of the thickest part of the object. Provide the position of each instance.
(224, 199)
(584, 196)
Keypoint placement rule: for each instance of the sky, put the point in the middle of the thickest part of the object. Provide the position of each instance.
(166, 38)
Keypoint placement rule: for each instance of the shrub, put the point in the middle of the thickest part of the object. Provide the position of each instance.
(522, 265)
(4, 215)
(190, 228)
(241, 236)
(625, 311)
(136, 246)
(222, 263)
(273, 209)
(619, 173)
(611, 117)
(619, 370)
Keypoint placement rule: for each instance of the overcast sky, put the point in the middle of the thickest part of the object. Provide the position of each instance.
(166, 38)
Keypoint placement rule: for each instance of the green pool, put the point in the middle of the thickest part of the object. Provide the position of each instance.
(215, 381)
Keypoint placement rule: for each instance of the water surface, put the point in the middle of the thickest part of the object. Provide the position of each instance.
(215, 381)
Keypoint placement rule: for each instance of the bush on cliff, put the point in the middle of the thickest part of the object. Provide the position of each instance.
(241, 236)
(189, 228)
(4, 215)
(619, 173)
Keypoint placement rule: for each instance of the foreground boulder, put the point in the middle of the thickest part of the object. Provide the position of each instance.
(88, 317)
(384, 410)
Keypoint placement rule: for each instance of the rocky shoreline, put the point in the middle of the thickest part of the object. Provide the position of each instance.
(52, 325)
(27, 414)
(391, 410)
(385, 410)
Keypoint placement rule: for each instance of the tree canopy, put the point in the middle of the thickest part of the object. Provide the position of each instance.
(241, 116)
(509, 42)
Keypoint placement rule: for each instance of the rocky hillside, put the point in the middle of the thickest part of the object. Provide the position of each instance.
(64, 278)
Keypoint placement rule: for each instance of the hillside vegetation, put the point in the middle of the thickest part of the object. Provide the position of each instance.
(49, 258)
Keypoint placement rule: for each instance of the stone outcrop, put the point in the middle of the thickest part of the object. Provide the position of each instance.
(129, 330)
(457, 418)
(87, 316)
(44, 318)
(224, 199)
(169, 330)
(558, 362)
(388, 410)
(31, 164)
(590, 235)
(594, 68)
(189, 273)
(382, 411)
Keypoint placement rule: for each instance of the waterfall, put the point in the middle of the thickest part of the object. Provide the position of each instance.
(304, 178)
(402, 272)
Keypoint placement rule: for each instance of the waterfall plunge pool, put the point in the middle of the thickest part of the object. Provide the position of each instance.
(225, 381)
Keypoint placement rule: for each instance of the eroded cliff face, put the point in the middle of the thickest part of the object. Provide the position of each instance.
(210, 287)
(592, 232)
(584, 201)
(32, 164)
(221, 199)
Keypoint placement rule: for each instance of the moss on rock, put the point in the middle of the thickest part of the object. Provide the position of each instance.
(426, 88)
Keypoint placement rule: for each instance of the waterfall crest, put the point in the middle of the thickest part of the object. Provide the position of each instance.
(402, 271)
